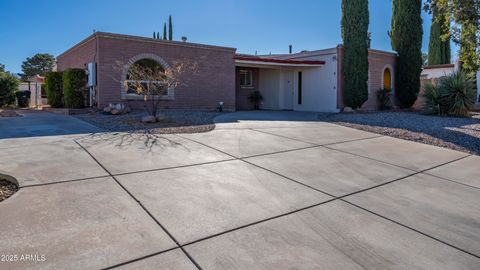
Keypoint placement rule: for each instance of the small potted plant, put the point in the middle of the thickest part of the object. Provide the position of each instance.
(256, 98)
(384, 102)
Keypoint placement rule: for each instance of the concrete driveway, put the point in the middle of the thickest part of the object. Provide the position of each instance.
(283, 194)
(39, 123)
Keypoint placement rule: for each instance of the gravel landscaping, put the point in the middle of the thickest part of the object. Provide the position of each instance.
(173, 122)
(461, 134)
(7, 189)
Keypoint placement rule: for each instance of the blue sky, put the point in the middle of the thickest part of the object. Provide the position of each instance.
(52, 26)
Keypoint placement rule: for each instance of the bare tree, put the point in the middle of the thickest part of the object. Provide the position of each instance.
(152, 81)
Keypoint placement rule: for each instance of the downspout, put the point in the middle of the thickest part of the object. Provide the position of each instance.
(95, 87)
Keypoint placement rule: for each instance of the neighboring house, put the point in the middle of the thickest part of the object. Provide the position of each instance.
(38, 97)
(305, 81)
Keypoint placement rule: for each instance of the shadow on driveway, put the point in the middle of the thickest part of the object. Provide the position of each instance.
(267, 116)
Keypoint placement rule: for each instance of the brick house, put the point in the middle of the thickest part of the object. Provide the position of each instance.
(113, 53)
(305, 81)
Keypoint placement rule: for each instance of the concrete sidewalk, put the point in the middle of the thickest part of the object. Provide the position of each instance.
(284, 194)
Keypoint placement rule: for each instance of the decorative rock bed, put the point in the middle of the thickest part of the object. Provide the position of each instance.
(462, 134)
(168, 121)
(7, 189)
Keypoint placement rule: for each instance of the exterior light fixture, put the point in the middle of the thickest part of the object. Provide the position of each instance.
(220, 106)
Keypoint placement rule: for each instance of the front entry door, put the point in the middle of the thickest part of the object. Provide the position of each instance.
(287, 90)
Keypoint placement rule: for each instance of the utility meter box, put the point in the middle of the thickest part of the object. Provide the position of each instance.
(92, 74)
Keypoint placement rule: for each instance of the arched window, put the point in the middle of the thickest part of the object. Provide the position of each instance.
(387, 79)
(146, 76)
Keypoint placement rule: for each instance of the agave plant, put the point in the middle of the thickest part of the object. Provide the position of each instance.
(457, 93)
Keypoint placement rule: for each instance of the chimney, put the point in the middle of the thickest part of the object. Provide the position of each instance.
(290, 49)
(184, 39)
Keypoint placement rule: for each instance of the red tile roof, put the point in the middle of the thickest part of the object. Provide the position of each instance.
(279, 61)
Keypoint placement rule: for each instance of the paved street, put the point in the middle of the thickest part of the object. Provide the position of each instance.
(278, 193)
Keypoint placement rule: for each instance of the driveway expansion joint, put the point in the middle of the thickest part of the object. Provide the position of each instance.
(450, 180)
(316, 144)
(413, 229)
(340, 198)
(140, 258)
(142, 206)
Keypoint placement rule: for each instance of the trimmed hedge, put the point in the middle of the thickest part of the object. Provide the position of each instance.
(54, 89)
(74, 88)
(8, 85)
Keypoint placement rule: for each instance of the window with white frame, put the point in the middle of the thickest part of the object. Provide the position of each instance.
(246, 79)
(145, 77)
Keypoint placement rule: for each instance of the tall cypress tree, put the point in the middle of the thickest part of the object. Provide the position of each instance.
(439, 45)
(170, 28)
(467, 14)
(406, 39)
(355, 20)
(464, 25)
(165, 31)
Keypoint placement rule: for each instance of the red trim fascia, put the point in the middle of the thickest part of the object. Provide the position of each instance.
(279, 61)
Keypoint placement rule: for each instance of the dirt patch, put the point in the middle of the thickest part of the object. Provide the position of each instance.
(7, 189)
(8, 113)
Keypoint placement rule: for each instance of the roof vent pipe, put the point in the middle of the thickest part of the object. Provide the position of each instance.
(290, 49)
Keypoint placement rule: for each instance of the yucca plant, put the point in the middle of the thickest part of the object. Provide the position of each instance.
(457, 93)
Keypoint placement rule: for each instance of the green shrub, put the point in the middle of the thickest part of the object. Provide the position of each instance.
(454, 95)
(431, 94)
(384, 102)
(74, 88)
(458, 93)
(8, 85)
(54, 89)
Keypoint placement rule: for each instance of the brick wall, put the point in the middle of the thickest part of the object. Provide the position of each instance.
(78, 56)
(242, 102)
(214, 81)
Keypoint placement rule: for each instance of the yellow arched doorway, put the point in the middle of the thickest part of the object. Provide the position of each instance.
(387, 79)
